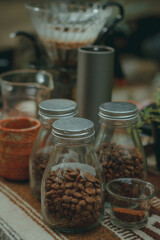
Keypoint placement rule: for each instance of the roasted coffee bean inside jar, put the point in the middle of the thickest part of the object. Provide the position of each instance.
(49, 111)
(72, 189)
(73, 198)
(118, 144)
(41, 162)
(120, 161)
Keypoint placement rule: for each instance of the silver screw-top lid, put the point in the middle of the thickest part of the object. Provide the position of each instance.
(120, 111)
(57, 108)
(73, 128)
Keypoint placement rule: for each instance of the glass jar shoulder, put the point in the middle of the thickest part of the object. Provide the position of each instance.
(119, 134)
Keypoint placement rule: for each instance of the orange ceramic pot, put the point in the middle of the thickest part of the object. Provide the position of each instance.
(17, 136)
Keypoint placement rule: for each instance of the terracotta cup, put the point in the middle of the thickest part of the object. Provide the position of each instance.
(17, 136)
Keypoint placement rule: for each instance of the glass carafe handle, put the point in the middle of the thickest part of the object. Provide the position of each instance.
(31, 37)
(107, 29)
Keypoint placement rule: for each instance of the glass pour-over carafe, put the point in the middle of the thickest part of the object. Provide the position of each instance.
(23, 90)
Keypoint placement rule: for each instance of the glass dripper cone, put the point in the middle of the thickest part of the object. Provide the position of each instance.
(63, 27)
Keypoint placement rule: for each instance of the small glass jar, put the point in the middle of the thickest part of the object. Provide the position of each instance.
(118, 144)
(49, 111)
(72, 191)
(130, 200)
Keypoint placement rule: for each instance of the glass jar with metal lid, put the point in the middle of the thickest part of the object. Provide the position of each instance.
(49, 111)
(118, 144)
(72, 193)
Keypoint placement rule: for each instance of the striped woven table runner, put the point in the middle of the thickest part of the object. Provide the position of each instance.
(20, 218)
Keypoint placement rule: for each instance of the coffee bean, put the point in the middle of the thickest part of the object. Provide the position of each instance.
(82, 203)
(39, 165)
(85, 213)
(69, 185)
(73, 204)
(120, 161)
(89, 199)
(77, 195)
(89, 185)
(83, 180)
(74, 200)
(67, 192)
(74, 173)
(96, 206)
(89, 207)
(49, 193)
(98, 191)
(66, 199)
(80, 186)
(89, 177)
(65, 205)
(55, 186)
(90, 191)
(49, 202)
(78, 208)
(69, 178)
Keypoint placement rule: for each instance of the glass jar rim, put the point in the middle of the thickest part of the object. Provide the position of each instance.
(127, 180)
(22, 72)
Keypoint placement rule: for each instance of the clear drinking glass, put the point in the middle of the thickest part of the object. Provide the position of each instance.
(130, 202)
(23, 90)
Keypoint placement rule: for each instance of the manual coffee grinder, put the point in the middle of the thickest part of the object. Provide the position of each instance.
(64, 26)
